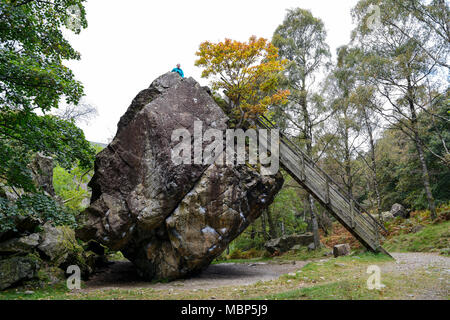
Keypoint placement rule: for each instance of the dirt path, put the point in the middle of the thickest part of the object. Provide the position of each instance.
(123, 275)
(433, 264)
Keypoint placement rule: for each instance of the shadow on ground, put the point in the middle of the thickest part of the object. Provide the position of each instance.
(122, 274)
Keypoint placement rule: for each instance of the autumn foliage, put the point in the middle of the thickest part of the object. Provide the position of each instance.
(248, 72)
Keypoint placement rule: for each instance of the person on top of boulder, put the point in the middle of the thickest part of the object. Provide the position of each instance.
(178, 69)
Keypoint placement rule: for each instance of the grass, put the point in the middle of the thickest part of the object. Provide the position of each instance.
(432, 238)
(343, 278)
(294, 255)
(55, 292)
(343, 290)
(398, 287)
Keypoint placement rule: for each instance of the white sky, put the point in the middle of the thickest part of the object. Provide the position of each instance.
(129, 43)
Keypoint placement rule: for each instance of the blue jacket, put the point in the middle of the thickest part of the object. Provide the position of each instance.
(180, 72)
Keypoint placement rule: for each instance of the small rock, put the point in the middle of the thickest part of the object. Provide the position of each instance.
(417, 229)
(341, 250)
(387, 216)
(398, 210)
(29, 292)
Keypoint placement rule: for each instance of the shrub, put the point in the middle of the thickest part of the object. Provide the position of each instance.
(35, 205)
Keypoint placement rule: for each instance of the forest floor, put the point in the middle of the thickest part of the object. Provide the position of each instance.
(418, 272)
(410, 276)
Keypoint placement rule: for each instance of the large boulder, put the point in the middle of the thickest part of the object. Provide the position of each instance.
(170, 220)
(286, 243)
(57, 243)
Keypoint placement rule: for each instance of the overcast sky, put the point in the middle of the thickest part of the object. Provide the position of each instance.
(129, 43)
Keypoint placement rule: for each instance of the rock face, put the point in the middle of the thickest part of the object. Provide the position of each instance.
(286, 243)
(60, 246)
(20, 245)
(170, 220)
(42, 169)
(25, 254)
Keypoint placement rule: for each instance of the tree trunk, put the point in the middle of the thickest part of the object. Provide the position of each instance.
(419, 148)
(252, 232)
(263, 225)
(347, 164)
(373, 160)
(426, 179)
(272, 228)
(315, 225)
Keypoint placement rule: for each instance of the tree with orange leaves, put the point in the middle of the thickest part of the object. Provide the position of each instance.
(248, 72)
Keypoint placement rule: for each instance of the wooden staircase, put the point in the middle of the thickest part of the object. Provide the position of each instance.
(328, 193)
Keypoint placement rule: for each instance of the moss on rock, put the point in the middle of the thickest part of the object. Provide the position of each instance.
(17, 269)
